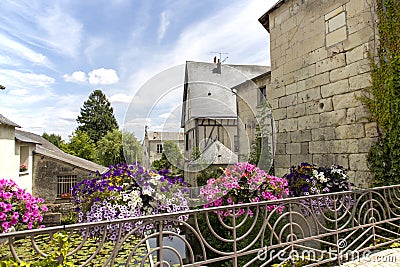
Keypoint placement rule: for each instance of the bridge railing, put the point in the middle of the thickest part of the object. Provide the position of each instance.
(313, 230)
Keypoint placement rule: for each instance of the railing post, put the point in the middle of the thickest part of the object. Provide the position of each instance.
(160, 244)
(235, 260)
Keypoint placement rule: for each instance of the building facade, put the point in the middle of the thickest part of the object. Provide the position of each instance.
(153, 145)
(319, 65)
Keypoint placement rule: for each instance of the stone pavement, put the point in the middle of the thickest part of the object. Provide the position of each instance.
(385, 258)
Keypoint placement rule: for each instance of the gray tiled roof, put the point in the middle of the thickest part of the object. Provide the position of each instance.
(4, 120)
(45, 148)
(216, 154)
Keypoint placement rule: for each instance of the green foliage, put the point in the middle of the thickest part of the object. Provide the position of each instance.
(171, 159)
(132, 148)
(80, 145)
(55, 139)
(109, 149)
(97, 117)
(382, 98)
(56, 258)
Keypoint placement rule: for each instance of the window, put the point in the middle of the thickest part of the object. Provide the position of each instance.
(23, 158)
(64, 185)
(159, 148)
(187, 141)
(335, 26)
(263, 94)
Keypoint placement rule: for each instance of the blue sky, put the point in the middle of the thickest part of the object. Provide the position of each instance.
(53, 54)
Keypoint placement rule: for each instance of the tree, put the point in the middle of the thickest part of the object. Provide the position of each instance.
(96, 117)
(118, 147)
(80, 145)
(132, 147)
(55, 139)
(171, 159)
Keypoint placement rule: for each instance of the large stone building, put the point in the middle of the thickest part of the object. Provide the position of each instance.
(209, 113)
(319, 65)
(48, 172)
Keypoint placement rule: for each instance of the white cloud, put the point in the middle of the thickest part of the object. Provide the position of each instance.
(103, 76)
(19, 92)
(76, 77)
(120, 98)
(20, 51)
(164, 23)
(18, 79)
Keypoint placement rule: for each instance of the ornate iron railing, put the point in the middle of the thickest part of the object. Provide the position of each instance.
(315, 230)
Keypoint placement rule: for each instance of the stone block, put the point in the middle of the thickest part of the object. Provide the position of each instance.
(345, 101)
(278, 92)
(335, 88)
(358, 162)
(288, 100)
(287, 125)
(335, 37)
(357, 53)
(333, 118)
(345, 146)
(317, 80)
(358, 38)
(342, 160)
(371, 130)
(279, 114)
(309, 95)
(360, 81)
(296, 110)
(363, 179)
(282, 138)
(353, 8)
(365, 144)
(323, 105)
(282, 161)
(324, 159)
(305, 73)
(293, 65)
(300, 136)
(298, 159)
(322, 134)
(315, 55)
(357, 115)
(293, 148)
(282, 16)
(304, 148)
(349, 131)
(291, 88)
(331, 63)
(308, 122)
(280, 149)
(320, 147)
(345, 72)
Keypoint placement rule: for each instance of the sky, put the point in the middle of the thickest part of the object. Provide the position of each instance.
(53, 54)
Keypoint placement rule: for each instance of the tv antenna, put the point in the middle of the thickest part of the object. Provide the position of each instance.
(220, 57)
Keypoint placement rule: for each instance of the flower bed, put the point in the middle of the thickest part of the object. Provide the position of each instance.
(308, 179)
(243, 183)
(127, 191)
(18, 208)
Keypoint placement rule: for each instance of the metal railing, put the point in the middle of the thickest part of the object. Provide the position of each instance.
(313, 230)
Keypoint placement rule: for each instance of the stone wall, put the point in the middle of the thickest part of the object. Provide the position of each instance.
(45, 174)
(319, 62)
